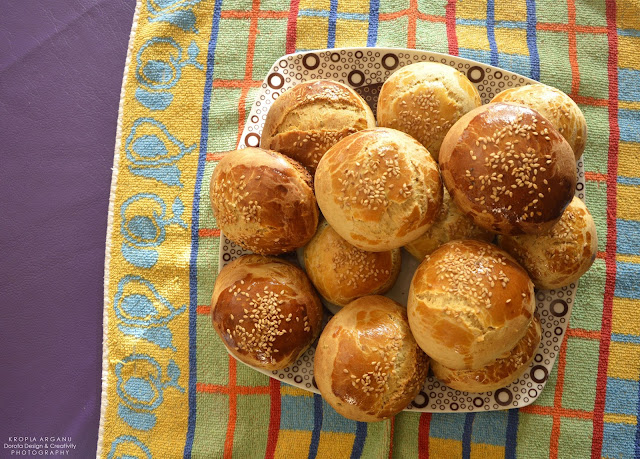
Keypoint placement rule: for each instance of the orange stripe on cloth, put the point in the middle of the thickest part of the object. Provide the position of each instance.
(555, 27)
(582, 333)
(215, 156)
(589, 101)
(203, 309)
(595, 176)
(573, 53)
(237, 83)
(233, 410)
(209, 232)
(419, 15)
(559, 411)
(262, 14)
(412, 14)
(557, 401)
(238, 390)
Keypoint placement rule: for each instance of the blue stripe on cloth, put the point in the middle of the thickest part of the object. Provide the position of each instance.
(629, 121)
(195, 223)
(629, 89)
(297, 413)
(475, 54)
(532, 40)
(338, 15)
(466, 435)
(333, 17)
(512, 434)
(374, 10)
(317, 426)
(358, 442)
(631, 181)
(623, 338)
(628, 240)
(628, 280)
(629, 32)
(618, 440)
(490, 428)
(491, 33)
(621, 396)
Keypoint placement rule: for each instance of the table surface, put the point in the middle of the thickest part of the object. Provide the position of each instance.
(61, 66)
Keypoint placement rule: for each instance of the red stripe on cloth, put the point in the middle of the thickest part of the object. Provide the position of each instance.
(412, 15)
(610, 260)
(292, 26)
(209, 232)
(452, 38)
(423, 435)
(557, 401)
(233, 410)
(239, 390)
(274, 419)
(573, 53)
(391, 438)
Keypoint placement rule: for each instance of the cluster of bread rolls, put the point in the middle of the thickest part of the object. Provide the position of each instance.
(442, 176)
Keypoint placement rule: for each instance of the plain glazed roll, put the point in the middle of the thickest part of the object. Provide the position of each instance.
(342, 272)
(266, 311)
(367, 365)
(561, 255)
(379, 189)
(263, 201)
(499, 373)
(469, 303)
(424, 100)
(508, 168)
(557, 107)
(450, 225)
(308, 119)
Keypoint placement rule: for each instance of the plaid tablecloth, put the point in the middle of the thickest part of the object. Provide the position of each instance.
(193, 69)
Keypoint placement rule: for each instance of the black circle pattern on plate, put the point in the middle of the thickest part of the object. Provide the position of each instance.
(536, 378)
(311, 61)
(275, 81)
(563, 304)
(425, 401)
(298, 379)
(478, 402)
(358, 54)
(500, 398)
(335, 57)
(387, 58)
(475, 74)
(454, 406)
(356, 78)
(252, 139)
(498, 74)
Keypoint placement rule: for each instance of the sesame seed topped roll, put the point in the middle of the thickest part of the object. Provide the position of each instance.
(367, 365)
(263, 201)
(308, 119)
(424, 100)
(266, 311)
(379, 189)
(508, 169)
(469, 302)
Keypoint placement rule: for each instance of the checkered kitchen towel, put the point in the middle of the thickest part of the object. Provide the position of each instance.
(192, 72)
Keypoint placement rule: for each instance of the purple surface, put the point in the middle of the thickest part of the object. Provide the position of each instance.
(61, 65)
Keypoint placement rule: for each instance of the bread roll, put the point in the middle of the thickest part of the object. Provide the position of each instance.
(508, 169)
(379, 189)
(367, 365)
(499, 373)
(265, 311)
(342, 272)
(306, 120)
(561, 111)
(424, 100)
(263, 201)
(561, 255)
(469, 302)
(450, 225)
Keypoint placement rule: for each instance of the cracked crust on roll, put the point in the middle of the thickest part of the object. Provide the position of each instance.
(379, 189)
(561, 255)
(308, 119)
(367, 365)
(499, 373)
(266, 311)
(469, 302)
(563, 113)
(263, 201)
(508, 168)
(424, 100)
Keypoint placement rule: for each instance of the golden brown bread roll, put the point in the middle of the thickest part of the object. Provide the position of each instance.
(424, 100)
(265, 310)
(508, 169)
(342, 272)
(367, 365)
(306, 120)
(561, 255)
(499, 373)
(557, 107)
(379, 189)
(263, 201)
(450, 225)
(469, 302)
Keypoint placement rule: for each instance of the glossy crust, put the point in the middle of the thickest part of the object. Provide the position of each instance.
(266, 311)
(424, 100)
(499, 373)
(557, 107)
(367, 365)
(508, 169)
(379, 189)
(263, 201)
(308, 119)
(562, 254)
(342, 272)
(469, 302)
(450, 225)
